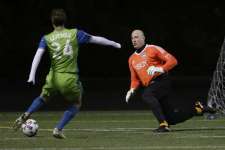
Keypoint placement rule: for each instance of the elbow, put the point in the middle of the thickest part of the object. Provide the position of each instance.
(170, 65)
(134, 84)
(175, 62)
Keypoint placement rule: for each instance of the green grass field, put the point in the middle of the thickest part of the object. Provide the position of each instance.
(114, 130)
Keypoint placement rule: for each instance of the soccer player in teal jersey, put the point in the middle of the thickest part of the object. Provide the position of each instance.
(62, 45)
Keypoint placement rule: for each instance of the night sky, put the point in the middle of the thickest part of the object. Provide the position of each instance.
(192, 31)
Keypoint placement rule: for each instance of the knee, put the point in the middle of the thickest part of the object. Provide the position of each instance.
(78, 103)
(150, 99)
(45, 99)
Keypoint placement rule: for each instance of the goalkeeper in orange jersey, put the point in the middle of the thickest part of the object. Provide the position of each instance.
(149, 66)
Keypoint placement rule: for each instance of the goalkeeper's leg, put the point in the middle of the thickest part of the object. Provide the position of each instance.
(157, 111)
(201, 108)
(179, 113)
(159, 88)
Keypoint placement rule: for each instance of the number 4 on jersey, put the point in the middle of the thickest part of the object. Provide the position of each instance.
(68, 50)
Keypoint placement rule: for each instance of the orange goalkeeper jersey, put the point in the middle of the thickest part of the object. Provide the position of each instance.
(151, 55)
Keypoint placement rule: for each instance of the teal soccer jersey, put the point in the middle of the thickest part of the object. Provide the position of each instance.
(63, 51)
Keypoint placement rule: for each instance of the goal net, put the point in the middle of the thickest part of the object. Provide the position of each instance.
(216, 93)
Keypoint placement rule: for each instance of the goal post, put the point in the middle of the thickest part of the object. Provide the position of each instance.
(216, 93)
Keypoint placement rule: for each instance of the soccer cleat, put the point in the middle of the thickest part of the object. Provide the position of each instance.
(58, 134)
(20, 120)
(199, 108)
(163, 127)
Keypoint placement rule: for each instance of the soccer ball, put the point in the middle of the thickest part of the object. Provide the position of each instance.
(30, 127)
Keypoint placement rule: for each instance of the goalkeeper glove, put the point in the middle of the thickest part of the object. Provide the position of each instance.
(152, 70)
(129, 94)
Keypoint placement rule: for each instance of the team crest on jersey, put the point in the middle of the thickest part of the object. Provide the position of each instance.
(143, 54)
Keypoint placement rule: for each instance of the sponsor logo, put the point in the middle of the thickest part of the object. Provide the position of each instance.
(140, 65)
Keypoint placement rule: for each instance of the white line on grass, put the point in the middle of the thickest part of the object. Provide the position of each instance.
(198, 136)
(201, 136)
(127, 121)
(125, 129)
(122, 121)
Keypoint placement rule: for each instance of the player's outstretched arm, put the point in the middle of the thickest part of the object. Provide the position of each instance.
(103, 41)
(35, 63)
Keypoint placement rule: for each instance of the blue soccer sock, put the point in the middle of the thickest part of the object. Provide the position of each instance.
(37, 103)
(68, 115)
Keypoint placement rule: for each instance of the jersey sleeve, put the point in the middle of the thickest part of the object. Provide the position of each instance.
(83, 37)
(42, 43)
(169, 60)
(135, 82)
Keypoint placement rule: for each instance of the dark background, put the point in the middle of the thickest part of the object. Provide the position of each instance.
(193, 31)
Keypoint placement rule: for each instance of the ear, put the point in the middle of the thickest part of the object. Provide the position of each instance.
(143, 37)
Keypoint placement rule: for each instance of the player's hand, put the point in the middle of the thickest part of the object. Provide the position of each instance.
(31, 80)
(117, 45)
(129, 94)
(152, 70)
